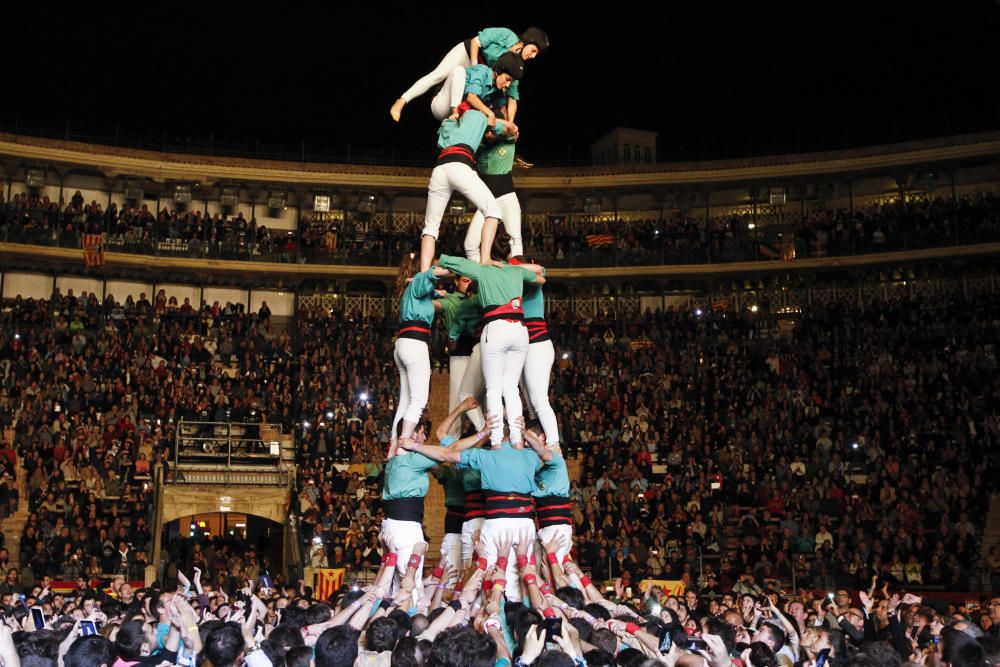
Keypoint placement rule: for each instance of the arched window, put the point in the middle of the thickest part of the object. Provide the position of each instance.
(627, 157)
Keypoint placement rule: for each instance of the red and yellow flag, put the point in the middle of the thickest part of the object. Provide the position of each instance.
(328, 581)
(93, 249)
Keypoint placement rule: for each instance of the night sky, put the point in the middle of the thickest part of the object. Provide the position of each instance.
(715, 81)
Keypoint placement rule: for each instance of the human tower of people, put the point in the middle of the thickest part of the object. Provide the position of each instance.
(500, 475)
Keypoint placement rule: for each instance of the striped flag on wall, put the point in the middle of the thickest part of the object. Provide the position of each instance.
(93, 249)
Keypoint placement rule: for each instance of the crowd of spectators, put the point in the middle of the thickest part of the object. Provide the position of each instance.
(450, 618)
(680, 237)
(92, 394)
(862, 444)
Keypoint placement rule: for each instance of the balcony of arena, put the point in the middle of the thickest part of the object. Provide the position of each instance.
(204, 209)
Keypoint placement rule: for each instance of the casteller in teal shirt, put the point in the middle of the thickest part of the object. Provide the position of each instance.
(406, 476)
(506, 469)
(467, 130)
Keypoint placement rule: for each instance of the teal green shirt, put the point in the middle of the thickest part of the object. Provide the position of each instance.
(470, 312)
(493, 43)
(553, 478)
(406, 476)
(417, 302)
(497, 285)
(479, 81)
(451, 479)
(505, 469)
(496, 159)
(467, 130)
(533, 301)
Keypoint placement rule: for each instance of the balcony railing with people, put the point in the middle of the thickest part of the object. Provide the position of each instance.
(572, 241)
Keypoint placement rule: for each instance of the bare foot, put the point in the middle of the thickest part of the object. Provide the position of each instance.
(397, 109)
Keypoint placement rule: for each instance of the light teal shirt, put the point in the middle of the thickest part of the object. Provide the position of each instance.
(533, 301)
(505, 469)
(406, 476)
(479, 82)
(553, 478)
(467, 130)
(417, 302)
(493, 43)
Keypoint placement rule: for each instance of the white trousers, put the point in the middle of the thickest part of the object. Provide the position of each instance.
(510, 213)
(504, 348)
(537, 371)
(456, 371)
(457, 57)
(451, 548)
(455, 177)
(472, 385)
(414, 363)
(493, 533)
(469, 530)
(450, 95)
(547, 534)
(400, 536)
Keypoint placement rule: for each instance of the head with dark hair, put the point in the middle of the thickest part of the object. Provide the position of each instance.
(129, 640)
(521, 621)
(881, 653)
(597, 658)
(300, 656)
(406, 653)
(597, 611)
(418, 624)
(92, 651)
(960, 650)
(337, 647)
(287, 636)
(380, 635)
(761, 655)
(500, 250)
(771, 635)
(461, 647)
(605, 640)
(554, 659)
(318, 613)
(274, 651)
(403, 623)
(39, 648)
(224, 645)
(293, 617)
(583, 628)
(571, 596)
(630, 657)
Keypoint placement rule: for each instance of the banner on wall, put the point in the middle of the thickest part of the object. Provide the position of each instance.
(93, 249)
(669, 587)
(328, 581)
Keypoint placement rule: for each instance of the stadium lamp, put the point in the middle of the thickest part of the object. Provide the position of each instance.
(277, 200)
(456, 206)
(321, 202)
(182, 193)
(229, 197)
(134, 191)
(366, 201)
(34, 177)
(592, 205)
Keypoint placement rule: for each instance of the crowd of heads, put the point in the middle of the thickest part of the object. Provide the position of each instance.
(678, 236)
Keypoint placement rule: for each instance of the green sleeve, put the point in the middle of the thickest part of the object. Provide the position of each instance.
(528, 276)
(461, 265)
(423, 284)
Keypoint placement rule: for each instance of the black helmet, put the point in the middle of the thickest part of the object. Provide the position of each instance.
(510, 63)
(537, 37)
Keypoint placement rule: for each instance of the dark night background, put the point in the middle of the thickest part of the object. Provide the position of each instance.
(716, 81)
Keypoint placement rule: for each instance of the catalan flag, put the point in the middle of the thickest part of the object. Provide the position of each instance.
(93, 249)
(600, 240)
(328, 581)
